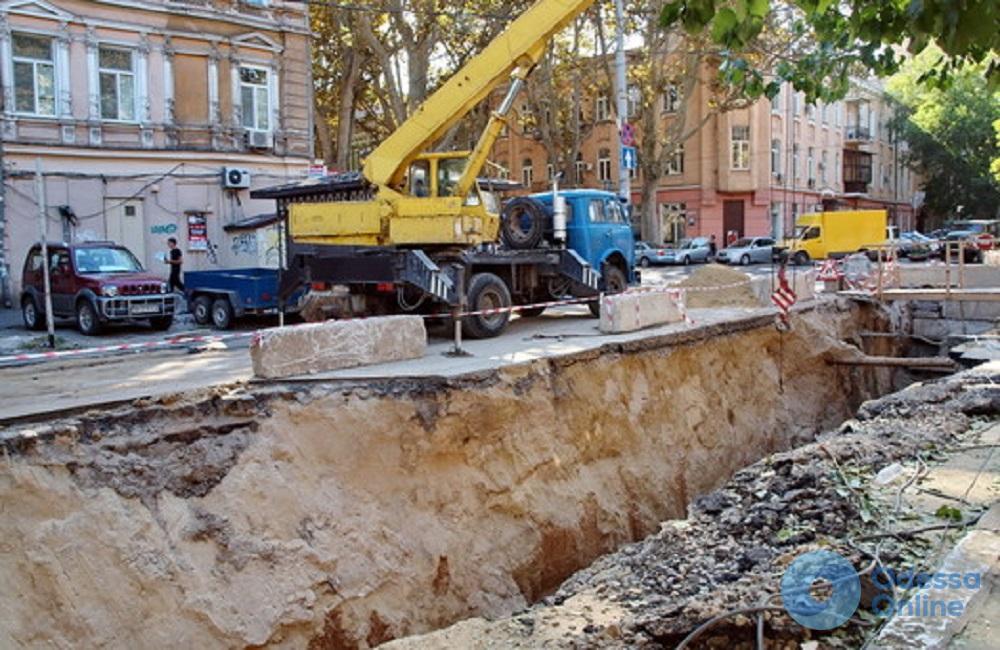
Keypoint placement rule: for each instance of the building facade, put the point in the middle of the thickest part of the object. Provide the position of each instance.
(152, 119)
(747, 172)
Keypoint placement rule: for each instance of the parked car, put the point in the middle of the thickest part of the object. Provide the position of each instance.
(645, 255)
(918, 246)
(95, 283)
(749, 250)
(973, 254)
(691, 251)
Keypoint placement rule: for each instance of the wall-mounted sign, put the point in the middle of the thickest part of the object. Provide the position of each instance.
(197, 232)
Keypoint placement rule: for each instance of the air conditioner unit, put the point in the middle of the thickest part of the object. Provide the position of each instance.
(260, 139)
(234, 178)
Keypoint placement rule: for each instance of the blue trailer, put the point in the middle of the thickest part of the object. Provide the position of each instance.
(220, 297)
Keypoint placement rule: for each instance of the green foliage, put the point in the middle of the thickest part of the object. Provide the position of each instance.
(951, 134)
(852, 35)
(949, 513)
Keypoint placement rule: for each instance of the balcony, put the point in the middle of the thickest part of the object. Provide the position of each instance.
(857, 171)
(858, 134)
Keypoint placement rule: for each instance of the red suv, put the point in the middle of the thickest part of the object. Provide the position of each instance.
(94, 283)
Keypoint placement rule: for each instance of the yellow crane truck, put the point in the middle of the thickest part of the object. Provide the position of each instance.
(418, 231)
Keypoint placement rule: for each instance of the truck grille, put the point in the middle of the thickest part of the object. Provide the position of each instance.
(139, 289)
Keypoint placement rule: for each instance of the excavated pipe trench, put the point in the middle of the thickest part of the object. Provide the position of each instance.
(343, 516)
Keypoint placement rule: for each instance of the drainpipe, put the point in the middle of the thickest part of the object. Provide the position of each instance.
(5, 298)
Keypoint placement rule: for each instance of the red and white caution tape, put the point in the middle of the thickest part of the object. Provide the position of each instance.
(178, 341)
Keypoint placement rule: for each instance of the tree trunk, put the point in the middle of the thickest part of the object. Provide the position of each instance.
(323, 136)
(651, 227)
(345, 110)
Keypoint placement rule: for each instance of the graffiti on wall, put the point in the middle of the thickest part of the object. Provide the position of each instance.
(163, 229)
(245, 243)
(261, 247)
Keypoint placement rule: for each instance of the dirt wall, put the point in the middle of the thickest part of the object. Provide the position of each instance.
(334, 516)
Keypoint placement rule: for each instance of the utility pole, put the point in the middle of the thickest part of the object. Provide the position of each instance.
(621, 80)
(43, 232)
(4, 270)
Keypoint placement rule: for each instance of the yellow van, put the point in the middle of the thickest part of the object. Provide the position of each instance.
(830, 235)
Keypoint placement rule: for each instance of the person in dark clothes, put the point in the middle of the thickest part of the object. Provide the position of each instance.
(175, 258)
(712, 247)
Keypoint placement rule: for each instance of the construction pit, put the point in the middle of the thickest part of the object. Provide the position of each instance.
(348, 513)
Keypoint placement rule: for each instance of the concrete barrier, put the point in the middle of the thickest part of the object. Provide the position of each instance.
(321, 347)
(629, 312)
(803, 283)
(977, 276)
(992, 258)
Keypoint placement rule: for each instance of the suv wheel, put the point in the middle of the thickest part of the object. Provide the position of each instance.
(33, 318)
(87, 320)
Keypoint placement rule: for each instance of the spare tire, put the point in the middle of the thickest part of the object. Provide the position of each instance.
(522, 224)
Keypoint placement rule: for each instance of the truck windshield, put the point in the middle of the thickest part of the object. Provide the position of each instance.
(450, 170)
(105, 260)
(807, 232)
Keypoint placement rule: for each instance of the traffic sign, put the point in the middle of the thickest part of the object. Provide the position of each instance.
(628, 135)
(628, 157)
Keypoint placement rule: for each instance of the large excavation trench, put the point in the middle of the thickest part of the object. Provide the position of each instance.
(334, 516)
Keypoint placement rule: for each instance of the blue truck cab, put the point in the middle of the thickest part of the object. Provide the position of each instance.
(598, 228)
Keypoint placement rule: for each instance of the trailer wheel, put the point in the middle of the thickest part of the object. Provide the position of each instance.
(486, 292)
(522, 223)
(614, 282)
(222, 313)
(201, 309)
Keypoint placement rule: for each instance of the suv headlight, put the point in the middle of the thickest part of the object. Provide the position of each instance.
(164, 287)
(109, 291)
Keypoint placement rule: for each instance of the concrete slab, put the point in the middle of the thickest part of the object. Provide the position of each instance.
(976, 276)
(321, 347)
(637, 311)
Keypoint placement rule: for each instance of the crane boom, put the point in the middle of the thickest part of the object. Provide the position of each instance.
(521, 45)
(410, 197)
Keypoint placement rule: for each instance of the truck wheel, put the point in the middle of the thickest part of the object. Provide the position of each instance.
(87, 320)
(201, 309)
(33, 318)
(222, 313)
(522, 224)
(534, 312)
(487, 291)
(614, 282)
(801, 258)
(161, 323)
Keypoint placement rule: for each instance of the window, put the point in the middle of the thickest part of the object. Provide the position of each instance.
(837, 168)
(778, 101)
(796, 103)
(580, 168)
(504, 130)
(601, 108)
(776, 157)
(597, 211)
(116, 70)
(671, 98)
(795, 161)
(503, 170)
(34, 74)
(675, 164)
(255, 92)
(527, 118)
(634, 100)
(824, 158)
(604, 165)
(811, 112)
(550, 171)
(823, 113)
(740, 148)
(527, 172)
(811, 164)
(450, 171)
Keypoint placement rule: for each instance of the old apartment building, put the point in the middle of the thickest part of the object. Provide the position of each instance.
(152, 119)
(749, 171)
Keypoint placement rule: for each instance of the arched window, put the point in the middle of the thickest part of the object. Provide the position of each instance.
(527, 173)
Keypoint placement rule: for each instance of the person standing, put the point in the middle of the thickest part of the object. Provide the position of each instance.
(175, 258)
(713, 248)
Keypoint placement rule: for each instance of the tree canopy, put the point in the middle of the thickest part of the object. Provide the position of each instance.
(950, 134)
(851, 36)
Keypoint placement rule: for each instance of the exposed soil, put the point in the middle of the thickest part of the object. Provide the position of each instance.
(736, 294)
(730, 552)
(339, 516)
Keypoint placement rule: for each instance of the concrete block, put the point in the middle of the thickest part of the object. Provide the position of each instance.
(333, 345)
(972, 310)
(941, 328)
(629, 312)
(992, 258)
(803, 283)
(977, 276)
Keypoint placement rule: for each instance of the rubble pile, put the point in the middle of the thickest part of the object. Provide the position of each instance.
(732, 549)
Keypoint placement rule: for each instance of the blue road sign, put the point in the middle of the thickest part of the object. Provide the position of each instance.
(628, 157)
